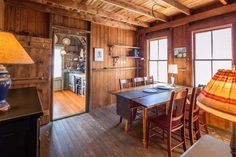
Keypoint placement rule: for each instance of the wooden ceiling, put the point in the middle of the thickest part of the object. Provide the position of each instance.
(128, 14)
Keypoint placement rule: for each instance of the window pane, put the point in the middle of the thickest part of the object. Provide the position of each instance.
(154, 50)
(153, 69)
(222, 44)
(221, 65)
(163, 49)
(202, 72)
(203, 45)
(162, 71)
(57, 62)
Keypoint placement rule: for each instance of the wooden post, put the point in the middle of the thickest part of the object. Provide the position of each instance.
(2, 10)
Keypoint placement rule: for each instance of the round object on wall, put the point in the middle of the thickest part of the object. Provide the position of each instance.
(66, 41)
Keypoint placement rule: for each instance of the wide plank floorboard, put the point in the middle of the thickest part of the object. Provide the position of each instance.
(95, 134)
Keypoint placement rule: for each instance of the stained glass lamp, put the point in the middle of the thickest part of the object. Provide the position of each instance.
(219, 98)
(11, 52)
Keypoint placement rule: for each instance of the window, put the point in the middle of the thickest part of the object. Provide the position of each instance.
(58, 62)
(158, 59)
(213, 51)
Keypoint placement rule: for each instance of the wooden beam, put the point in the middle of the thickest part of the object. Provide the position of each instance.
(224, 2)
(178, 6)
(72, 14)
(137, 9)
(196, 17)
(81, 7)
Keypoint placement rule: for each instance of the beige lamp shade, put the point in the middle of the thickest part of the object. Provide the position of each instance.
(173, 69)
(11, 51)
(219, 95)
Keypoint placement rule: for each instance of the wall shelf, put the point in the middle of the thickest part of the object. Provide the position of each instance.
(121, 46)
(116, 58)
(115, 68)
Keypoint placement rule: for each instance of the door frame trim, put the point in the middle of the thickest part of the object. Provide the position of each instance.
(54, 29)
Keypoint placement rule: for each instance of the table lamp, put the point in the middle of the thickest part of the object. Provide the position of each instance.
(219, 98)
(11, 52)
(173, 69)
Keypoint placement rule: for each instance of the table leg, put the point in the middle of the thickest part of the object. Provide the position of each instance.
(126, 125)
(145, 121)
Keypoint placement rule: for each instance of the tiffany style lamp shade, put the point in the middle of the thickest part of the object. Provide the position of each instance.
(219, 98)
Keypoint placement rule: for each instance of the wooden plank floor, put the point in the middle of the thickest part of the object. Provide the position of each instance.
(67, 103)
(95, 135)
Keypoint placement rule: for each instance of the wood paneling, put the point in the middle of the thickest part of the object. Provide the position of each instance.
(37, 74)
(66, 21)
(26, 21)
(181, 39)
(106, 80)
(2, 9)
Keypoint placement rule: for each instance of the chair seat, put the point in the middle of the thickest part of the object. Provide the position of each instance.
(163, 122)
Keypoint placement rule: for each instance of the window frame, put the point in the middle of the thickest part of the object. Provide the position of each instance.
(211, 60)
(158, 60)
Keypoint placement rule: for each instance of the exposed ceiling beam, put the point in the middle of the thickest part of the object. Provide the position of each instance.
(73, 5)
(196, 17)
(224, 2)
(137, 9)
(178, 6)
(72, 14)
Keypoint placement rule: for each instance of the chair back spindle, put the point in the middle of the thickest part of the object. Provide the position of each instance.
(138, 81)
(148, 80)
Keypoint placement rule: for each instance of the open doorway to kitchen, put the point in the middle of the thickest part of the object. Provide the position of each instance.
(69, 75)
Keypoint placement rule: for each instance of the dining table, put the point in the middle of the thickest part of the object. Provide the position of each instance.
(148, 97)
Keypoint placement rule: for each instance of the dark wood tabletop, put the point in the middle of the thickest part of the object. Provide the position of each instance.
(24, 103)
(160, 98)
(153, 100)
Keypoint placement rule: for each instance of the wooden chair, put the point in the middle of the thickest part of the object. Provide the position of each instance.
(203, 116)
(192, 116)
(203, 121)
(125, 83)
(138, 81)
(172, 122)
(148, 80)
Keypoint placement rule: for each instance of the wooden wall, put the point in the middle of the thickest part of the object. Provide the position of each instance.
(181, 36)
(26, 21)
(106, 80)
(65, 21)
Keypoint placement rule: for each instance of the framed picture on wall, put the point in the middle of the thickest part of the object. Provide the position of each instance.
(99, 54)
(180, 52)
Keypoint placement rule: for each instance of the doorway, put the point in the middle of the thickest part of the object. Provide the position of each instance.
(69, 75)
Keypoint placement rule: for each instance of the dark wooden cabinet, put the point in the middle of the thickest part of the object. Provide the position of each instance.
(19, 127)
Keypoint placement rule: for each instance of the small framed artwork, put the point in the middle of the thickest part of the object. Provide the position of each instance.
(99, 54)
(180, 52)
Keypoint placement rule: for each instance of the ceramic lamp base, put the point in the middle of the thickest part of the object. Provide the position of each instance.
(172, 81)
(4, 106)
(5, 83)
